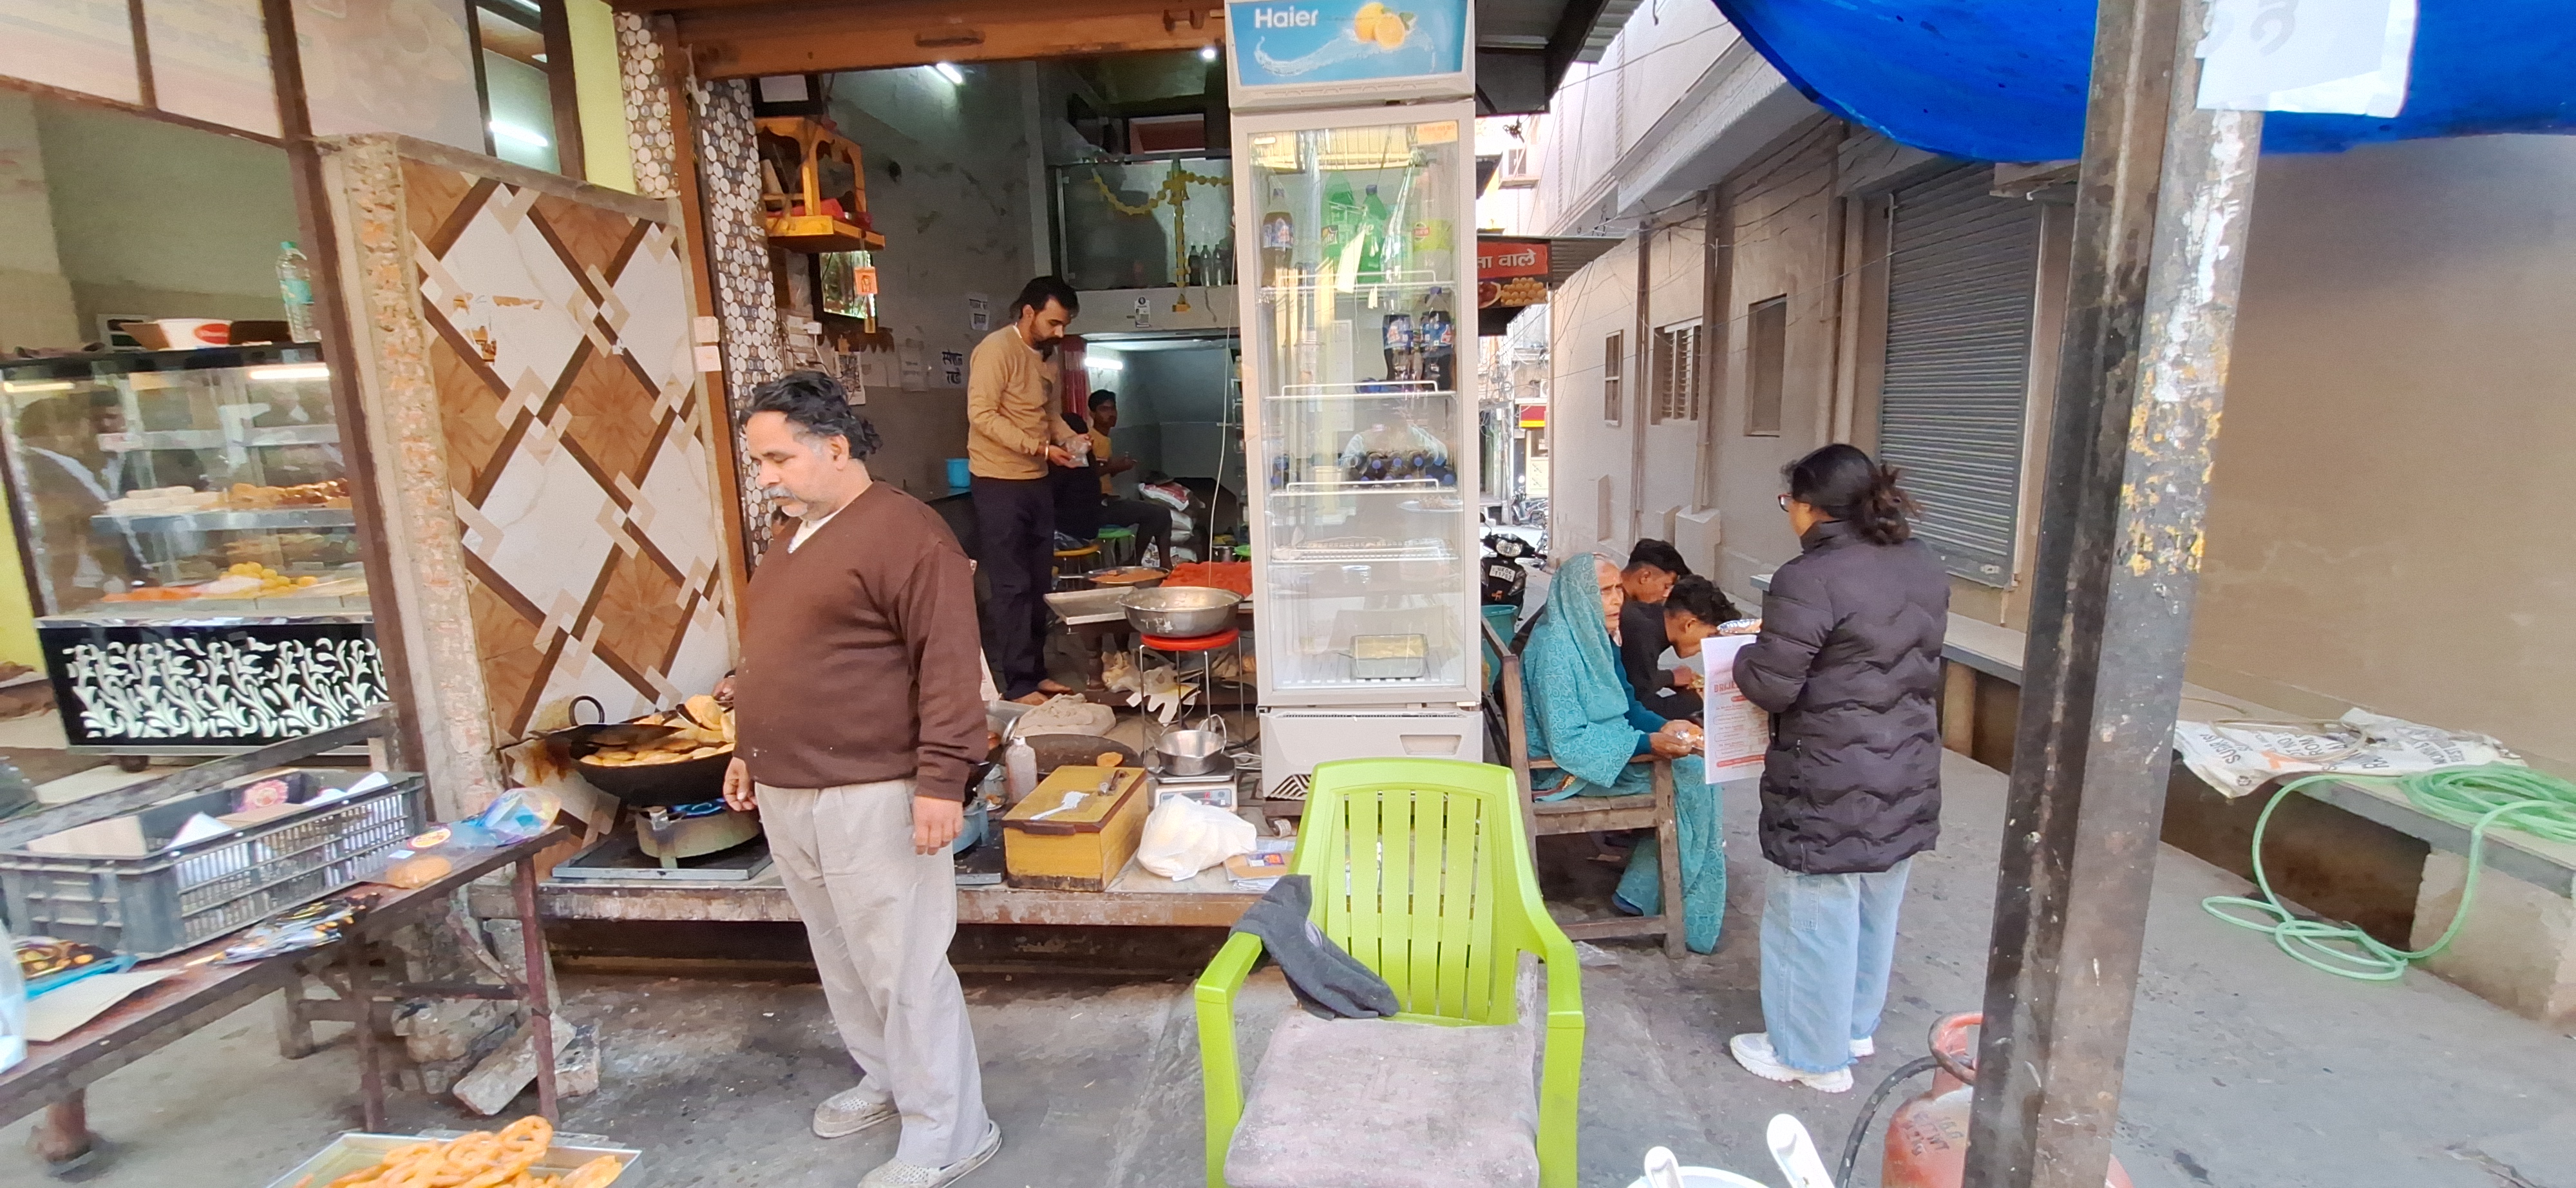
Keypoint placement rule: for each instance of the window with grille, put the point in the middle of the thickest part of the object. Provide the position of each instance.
(1766, 365)
(1677, 379)
(1613, 349)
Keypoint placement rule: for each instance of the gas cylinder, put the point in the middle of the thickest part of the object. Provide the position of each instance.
(1927, 1140)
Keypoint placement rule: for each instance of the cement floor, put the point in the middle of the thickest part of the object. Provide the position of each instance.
(2245, 1068)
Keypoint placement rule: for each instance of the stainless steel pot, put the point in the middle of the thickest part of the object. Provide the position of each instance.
(1181, 612)
(1192, 752)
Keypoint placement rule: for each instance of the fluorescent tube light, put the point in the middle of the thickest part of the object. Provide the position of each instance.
(519, 136)
(292, 371)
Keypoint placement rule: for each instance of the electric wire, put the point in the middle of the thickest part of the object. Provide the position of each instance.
(2478, 799)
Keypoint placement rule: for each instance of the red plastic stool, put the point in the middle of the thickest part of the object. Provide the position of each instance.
(1206, 646)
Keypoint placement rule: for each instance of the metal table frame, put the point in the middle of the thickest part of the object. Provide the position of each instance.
(56, 1076)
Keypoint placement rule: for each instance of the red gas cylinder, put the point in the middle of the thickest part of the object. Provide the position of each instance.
(1927, 1140)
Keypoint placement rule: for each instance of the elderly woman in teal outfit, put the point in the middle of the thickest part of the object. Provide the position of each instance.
(1585, 718)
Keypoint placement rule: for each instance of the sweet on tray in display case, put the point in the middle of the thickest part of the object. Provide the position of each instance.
(192, 550)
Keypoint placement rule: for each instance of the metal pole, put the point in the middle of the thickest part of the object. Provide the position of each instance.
(2166, 192)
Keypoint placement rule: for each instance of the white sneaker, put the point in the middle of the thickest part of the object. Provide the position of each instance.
(1864, 1047)
(895, 1173)
(851, 1111)
(1753, 1051)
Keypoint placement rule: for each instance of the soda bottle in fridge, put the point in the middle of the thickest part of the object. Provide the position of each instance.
(1278, 243)
(295, 290)
(1439, 345)
(1399, 337)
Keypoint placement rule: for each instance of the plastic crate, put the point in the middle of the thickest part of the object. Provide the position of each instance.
(175, 899)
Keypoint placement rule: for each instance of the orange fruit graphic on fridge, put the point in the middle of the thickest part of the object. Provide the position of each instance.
(1375, 25)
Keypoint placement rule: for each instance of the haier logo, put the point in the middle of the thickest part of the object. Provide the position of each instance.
(1286, 18)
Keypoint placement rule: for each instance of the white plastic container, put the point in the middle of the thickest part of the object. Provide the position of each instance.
(1020, 762)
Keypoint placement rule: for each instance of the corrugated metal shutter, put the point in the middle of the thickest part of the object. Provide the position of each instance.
(1961, 275)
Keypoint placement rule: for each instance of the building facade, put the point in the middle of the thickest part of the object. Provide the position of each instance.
(2377, 537)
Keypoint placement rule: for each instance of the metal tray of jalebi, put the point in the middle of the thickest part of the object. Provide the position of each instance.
(357, 1151)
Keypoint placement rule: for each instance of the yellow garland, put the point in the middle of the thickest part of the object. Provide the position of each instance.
(1174, 190)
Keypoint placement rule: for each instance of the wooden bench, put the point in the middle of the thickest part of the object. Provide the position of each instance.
(1594, 814)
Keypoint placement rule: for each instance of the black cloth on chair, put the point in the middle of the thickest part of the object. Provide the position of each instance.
(1327, 981)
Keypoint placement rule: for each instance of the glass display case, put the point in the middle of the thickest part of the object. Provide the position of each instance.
(185, 523)
(1145, 222)
(1363, 444)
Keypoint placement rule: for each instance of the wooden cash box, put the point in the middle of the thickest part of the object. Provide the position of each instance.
(1081, 848)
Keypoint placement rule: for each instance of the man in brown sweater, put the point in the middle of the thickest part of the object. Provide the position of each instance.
(860, 712)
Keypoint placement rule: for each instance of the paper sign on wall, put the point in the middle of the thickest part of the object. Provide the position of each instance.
(907, 353)
(979, 313)
(1739, 732)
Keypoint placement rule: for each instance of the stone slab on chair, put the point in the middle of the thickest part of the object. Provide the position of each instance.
(1376, 1103)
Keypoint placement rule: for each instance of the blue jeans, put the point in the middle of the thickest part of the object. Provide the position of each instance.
(1827, 943)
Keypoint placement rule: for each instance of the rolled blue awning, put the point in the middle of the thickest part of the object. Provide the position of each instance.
(2004, 80)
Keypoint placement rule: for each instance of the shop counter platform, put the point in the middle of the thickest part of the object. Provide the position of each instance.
(1138, 898)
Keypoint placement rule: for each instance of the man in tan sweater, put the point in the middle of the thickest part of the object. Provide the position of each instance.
(860, 707)
(1012, 434)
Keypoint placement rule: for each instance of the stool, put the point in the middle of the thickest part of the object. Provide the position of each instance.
(1118, 547)
(1075, 554)
(1206, 647)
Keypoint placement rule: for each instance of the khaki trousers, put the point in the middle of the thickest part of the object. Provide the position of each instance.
(880, 918)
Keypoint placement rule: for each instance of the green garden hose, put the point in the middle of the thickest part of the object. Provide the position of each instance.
(2476, 798)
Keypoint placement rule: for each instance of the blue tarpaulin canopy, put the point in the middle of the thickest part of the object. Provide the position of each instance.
(2004, 80)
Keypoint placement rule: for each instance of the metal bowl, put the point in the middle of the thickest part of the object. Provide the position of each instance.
(1181, 612)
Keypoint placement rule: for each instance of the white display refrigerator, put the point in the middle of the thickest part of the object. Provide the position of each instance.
(1354, 155)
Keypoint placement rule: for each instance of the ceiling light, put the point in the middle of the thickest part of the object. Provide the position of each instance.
(519, 136)
(949, 71)
(37, 386)
(1207, 53)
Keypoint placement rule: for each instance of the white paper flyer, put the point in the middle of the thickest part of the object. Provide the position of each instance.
(1738, 731)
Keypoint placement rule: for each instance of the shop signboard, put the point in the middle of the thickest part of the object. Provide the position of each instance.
(1505, 259)
(191, 684)
(1287, 52)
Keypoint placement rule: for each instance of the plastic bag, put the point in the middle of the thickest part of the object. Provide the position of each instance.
(511, 818)
(1184, 837)
(48, 963)
(294, 930)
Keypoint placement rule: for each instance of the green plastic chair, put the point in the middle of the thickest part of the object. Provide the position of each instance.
(1440, 900)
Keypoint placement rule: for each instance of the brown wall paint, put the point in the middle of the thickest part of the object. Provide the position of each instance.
(2388, 522)
(1785, 244)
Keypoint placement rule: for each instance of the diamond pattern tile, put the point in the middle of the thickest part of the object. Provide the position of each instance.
(580, 466)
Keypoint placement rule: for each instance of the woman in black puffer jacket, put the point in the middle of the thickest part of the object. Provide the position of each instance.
(1849, 665)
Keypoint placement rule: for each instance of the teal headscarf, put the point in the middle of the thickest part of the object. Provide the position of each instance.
(1578, 716)
(1578, 698)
